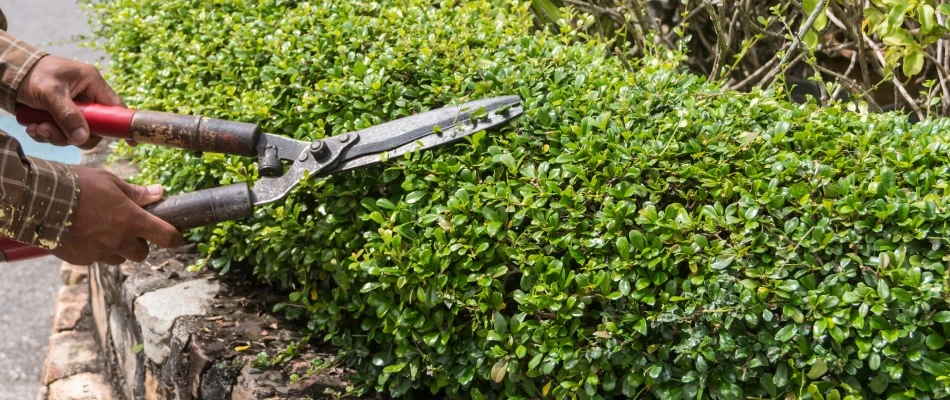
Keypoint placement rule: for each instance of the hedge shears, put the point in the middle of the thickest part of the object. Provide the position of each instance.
(282, 162)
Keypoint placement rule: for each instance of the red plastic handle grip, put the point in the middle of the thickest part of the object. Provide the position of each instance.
(16, 251)
(103, 120)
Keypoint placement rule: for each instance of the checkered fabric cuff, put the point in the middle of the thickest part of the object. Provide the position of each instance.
(16, 59)
(50, 201)
(37, 197)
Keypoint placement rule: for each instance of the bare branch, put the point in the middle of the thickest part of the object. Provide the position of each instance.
(806, 26)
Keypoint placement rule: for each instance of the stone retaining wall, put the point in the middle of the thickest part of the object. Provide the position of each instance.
(153, 330)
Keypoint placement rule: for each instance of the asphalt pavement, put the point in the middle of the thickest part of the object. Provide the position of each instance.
(28, 288)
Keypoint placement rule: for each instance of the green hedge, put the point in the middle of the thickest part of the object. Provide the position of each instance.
(639, 232)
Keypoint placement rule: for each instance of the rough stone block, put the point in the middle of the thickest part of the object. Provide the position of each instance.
(156, 312)
(69, 353)
(70, 303)
(86, 386)
(154, 390)
(128, 356)
(43, 393)
(252, 384)
(101, 283)
(72, 274)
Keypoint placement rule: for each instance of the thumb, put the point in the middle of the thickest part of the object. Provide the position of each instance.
(69, 118)
(143, 195)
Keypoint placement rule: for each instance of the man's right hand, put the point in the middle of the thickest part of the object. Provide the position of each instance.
(52, 85)
(109, 224)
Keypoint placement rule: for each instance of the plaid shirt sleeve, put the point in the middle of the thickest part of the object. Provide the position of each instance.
(37, 197)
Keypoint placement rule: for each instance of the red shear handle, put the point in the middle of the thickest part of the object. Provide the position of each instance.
(103, 120)
(11, 250)
(190, 132)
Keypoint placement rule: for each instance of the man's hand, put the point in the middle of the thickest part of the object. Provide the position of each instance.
(109, 225)
(52, 85)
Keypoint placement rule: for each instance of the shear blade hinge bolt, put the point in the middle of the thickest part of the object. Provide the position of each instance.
(269, 163)
(318, 149)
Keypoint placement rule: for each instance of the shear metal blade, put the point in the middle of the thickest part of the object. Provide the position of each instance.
(427, 130)
(386, 141)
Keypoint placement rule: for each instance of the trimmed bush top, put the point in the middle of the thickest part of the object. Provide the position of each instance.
(638, 233)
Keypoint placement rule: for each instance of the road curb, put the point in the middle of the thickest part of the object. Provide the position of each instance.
(73, 369)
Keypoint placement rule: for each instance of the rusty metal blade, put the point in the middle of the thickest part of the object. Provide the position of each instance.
(389, 140)
(418, 132)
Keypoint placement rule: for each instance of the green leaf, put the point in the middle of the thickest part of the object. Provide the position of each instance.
(927, 17)
(722, 262)
(874, 361)
(385, 203)
(898, 37)
(934, 368)
(623, 248)
(879, 383)
(786, 333)
(913, 61)
(833, 395)
(547, 9)
(521, 351)
(654, 371)
(810, 39)
(767, 382)
(508, 160)
(818, 369)
(466, 376)
(941, 317)
(814, 392)
(935, 341)
(501, 324)
(394, 368)
(414, 197)
(498, 370)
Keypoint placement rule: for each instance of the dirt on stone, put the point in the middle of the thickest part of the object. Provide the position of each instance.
(240, 327)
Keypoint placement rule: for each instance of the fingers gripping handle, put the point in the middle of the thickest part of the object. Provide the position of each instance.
(186, 211)
(205, 207)
(103, 120)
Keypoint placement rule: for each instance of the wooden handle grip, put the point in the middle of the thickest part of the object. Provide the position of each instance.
(205, 207)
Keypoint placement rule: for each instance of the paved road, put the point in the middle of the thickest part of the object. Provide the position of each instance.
(28, 289)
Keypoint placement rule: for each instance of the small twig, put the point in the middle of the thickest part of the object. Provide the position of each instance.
(697, 10)
(942, 74)
(851, 84)
(754, 74)
(854, 30)
(806, 26)
(897, 84)
(720, 37)
(847, 72)
(943, 54)
(644, 15)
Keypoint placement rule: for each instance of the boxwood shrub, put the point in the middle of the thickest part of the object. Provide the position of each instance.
(639, 232)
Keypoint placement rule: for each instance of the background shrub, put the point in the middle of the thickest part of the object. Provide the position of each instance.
(638, 233)
(891, 54)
